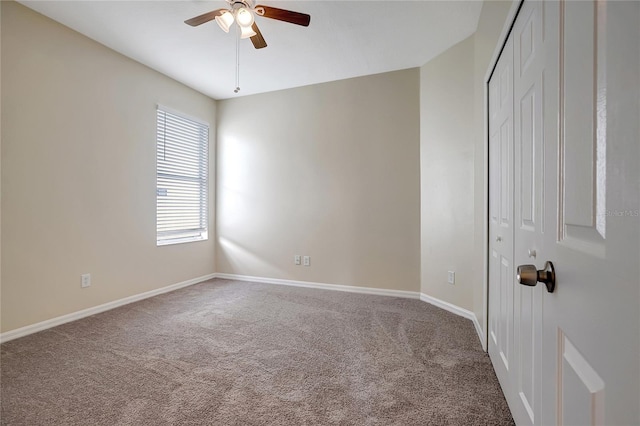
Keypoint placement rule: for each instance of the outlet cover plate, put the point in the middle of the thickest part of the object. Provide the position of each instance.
(85, 280)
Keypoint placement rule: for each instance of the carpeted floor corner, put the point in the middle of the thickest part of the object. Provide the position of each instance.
(234, 353)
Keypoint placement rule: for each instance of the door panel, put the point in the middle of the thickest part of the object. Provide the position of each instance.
(528, 87)
(579, 147)
(527, 179)
(501, 216)
(527, 371)
(592, 321)
(580, 394)
(572, 356)
(506, 301)
(494, 265)
(583, 127)
(506, 175)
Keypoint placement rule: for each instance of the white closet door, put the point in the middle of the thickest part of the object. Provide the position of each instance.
(529, 203)
(501, 269)
(571, 356)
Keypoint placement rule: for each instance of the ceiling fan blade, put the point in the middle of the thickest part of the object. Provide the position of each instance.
(257, 40)
(205, 17)
(285, 15)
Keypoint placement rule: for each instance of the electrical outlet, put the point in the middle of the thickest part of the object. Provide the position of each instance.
(297, 259)
(85, 280)
(451, 279)
(307, 261)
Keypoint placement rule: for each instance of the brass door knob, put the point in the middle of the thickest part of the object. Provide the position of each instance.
(528, 275)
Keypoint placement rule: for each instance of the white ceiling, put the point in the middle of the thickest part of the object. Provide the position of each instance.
(345, 39)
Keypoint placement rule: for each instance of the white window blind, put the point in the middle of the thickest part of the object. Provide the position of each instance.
(182, 146)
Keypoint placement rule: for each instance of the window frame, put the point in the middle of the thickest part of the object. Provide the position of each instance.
(203, 183)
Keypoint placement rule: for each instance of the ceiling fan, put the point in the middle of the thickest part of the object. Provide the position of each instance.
(243, 13)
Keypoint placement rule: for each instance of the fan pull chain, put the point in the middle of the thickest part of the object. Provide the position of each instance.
(237, 89)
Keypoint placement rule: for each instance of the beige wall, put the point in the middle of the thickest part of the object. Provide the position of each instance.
(452, 111)
(330, 171)
(380, 179)
(446, 157)
(78, 173)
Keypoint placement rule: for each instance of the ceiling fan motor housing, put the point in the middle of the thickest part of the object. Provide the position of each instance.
(237, 4)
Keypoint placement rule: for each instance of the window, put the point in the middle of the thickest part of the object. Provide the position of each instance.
(182, 146)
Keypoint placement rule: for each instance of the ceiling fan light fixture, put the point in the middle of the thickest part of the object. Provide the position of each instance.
(246, 32)
(244, 17)
(225, 21)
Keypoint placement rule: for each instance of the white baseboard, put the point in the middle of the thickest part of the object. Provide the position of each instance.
(454, 309)
(367, 290)
(323, 286)
(34, 328)
(483, 340)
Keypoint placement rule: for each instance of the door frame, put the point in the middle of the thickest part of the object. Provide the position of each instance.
(516, 5)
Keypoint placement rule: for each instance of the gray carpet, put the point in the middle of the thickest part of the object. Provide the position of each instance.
(235, 353)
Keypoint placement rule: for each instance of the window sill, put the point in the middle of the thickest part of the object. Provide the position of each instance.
(180, 241)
